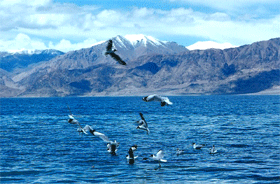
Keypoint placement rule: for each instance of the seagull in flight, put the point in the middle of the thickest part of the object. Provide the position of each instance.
(72, 120)
(158, 157)
(197, 146)
(130, 157)
(110, 51)
(143, 124)
(111, 145)
(163, 100)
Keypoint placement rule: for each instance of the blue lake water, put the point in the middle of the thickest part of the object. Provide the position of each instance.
(37, 144)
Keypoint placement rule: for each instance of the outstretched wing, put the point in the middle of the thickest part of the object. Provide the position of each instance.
(102, 136)
(69, 109)
(88, 128)
(154, 97)
(109, 45)
(117, 58)
(159, 155)
(74, 121)
(166, 100)
(142, 117)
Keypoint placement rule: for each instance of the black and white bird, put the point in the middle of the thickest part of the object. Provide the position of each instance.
(111, 145)
(130, 157)
(143, 125)
(110, 51)
(213, 150)
(197, 146)
(72, 120)
(163, 100)
(158, 157)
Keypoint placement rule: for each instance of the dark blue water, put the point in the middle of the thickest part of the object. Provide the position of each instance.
(37, 144)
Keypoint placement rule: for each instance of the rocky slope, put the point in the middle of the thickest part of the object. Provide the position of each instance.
(153, 66)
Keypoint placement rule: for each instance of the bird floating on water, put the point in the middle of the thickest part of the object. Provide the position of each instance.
(130, 157)
(179, 151)
(143, 124)
(110, 51)
(163, 100)
(213, 150)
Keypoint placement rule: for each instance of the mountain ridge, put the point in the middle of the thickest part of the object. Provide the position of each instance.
(170, 69)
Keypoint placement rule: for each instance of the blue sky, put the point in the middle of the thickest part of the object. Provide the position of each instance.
(74, 24)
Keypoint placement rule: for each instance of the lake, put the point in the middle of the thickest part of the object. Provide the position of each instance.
(38, 145)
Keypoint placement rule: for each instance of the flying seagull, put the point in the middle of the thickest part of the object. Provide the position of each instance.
(163, 100)
(72, 120)
(197, 146)
(111, 52)
(143, 124)
(130, 157)
(158, 157)
(111, 145)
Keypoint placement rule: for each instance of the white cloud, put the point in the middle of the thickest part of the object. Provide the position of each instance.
(230, 5)
(24, 42)
(209, 45)
(46, 24)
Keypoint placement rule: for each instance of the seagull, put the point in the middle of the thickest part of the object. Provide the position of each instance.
(179, 152)
(111, 52)
(72, 120)
(197, 146)
(143, 124)
(111, 145)
(163, 100)
(130, 157)
(213, 150)
(158, 157)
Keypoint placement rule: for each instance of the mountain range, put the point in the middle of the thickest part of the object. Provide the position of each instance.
(153, 66)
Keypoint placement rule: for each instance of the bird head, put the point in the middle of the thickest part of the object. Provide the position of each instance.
(145, 99)
(134, 147)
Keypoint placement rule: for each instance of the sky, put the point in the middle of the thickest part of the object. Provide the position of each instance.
(75, 24)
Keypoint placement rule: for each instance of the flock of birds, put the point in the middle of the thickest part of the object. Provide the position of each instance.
(142, 123)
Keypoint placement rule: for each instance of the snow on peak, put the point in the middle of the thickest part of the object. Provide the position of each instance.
(136, 38)
(34, 51)
(203, 45)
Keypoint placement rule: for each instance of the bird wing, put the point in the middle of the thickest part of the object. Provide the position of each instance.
(74, 121)
(144, 122)
(69, 109)
(166, 100)
(142, 117)
(102, 136)
(162, 160)
(159, 154)
(139, 122)
(71, 116)
(117, 58)
(109, 45)
(154, 98)
(87, 128)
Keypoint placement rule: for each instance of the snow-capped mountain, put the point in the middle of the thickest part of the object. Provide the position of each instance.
(14, 60)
